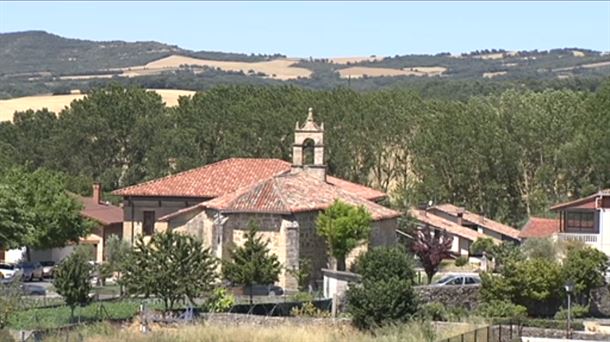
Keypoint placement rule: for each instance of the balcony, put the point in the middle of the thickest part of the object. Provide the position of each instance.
(589, 239)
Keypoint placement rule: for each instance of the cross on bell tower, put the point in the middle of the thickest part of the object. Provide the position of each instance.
(308, 148)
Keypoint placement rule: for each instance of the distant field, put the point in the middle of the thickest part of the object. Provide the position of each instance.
(281, 68)
(56, 103)
(493, 74)
(345, 60)
(358, 72)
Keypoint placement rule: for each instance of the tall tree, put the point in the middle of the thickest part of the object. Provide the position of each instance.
(344, 227)
(53, 215)
(252, 263)
(431, 247)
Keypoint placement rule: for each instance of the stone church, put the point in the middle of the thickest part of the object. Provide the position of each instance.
(216, 202)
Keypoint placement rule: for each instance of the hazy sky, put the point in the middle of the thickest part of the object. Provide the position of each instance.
(324, 29)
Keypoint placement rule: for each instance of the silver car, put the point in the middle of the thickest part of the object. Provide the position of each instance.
(458, 279)
(9, 271)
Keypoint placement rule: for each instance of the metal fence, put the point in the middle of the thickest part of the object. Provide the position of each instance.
(491, 333)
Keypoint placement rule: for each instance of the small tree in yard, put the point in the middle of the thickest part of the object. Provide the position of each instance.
(344, 227)
(170, 266)
(10, 301)
(303, 274)
(252, 263)
(432, 247)
(73, 279)
(116, 252)
(586, 268)
(386, 293)
(483, 245)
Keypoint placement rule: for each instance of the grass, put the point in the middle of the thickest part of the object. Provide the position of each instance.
(411, 332)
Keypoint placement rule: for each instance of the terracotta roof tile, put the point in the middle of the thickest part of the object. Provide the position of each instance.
(227, 176)
(292, 193)
(480, 220)
(590, 198)
(537, 227)
(103, 213)
(450, 227)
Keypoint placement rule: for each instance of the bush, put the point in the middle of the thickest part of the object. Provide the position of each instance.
(502, 309)
(72, 279)
(461, 261)
(377, 303)
(482, 245)
(433, 311)
(302, 297)
(586, 267)
(386, 262)
(577, 311)
(308, 309)
(219, 301)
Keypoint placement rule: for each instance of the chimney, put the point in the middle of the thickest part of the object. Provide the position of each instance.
(460, 216)
(97, 192)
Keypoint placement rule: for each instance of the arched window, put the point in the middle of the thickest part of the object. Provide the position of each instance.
(308, 152)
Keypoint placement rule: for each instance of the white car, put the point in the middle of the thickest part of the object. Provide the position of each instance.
(9, 271)
(458, 279)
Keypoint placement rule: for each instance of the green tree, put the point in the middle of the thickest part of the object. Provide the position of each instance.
(72, 279)
(540, 248)
(171, 266)
(302, 274)
(483, 245)
(382, 263)
(15, 219)
(431, 248)
(116, 253)
(252, 263)
(344, 227)
(386, 294)
(586, 268)
(53, 215)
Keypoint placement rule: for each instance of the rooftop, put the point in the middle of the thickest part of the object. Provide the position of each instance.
(479, 220)
(537, 227)
(450, 227)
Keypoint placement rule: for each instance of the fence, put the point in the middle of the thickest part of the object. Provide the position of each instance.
(491, 333)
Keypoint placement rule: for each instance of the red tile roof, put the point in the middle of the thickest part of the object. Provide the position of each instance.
(580, 201)
(227, 176)
(103, 213)
(451, 227)
(480, 220)
(537, 227)
(292, 193)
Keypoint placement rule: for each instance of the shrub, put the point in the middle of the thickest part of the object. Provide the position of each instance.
(461, 261)
(482, 245)
(586, 268)
(302, 297)
(303, 274)
(433, 311)
(577, 311)
(220, 301)
(503, 309)
(72, 279)
(377, 303)
(541, 249)
(385, 262)
(308, 309)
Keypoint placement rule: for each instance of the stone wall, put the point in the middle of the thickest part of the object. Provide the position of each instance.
(228, 319)
(600, 302)
(466, 297)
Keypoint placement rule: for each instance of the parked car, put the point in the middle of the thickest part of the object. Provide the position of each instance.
(263, 290)
(31, 271)
(458, 279)
(47, 269)
(9, 271)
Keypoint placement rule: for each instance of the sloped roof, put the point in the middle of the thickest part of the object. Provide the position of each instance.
(292, 193)
(227, 176)
(450, 227)
(479, 220)
(101, 212)
(537, 227)
(590, 198)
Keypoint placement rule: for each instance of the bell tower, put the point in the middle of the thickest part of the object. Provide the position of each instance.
(308, 148)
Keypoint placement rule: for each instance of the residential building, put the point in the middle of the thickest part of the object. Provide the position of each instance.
(464, 226)
(216, 203)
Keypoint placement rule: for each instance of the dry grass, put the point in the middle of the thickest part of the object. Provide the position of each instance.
(411, 332)
(56, 103)
(345, 60)
(281, 68)
(358, 72)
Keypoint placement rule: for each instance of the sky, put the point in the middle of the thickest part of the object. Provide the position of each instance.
(324, 29)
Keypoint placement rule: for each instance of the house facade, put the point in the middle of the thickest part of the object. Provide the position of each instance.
(217, 202)
(464, 226)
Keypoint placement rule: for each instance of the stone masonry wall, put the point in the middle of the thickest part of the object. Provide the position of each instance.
(466, 297)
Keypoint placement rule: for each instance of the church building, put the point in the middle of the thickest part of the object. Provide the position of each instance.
(216, 203)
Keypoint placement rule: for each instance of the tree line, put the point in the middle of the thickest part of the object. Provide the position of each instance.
(507, 155)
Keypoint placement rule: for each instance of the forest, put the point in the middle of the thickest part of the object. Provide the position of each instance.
(508, 155)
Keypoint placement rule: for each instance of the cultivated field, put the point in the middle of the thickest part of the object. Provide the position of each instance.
(493, 74)
(345, 60)
(358, 72)
(281, 68)
(56, 103)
